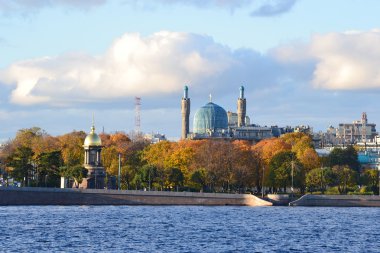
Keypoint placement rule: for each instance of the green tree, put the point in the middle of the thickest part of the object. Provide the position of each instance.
(137, 180)
(21, 164)
(345, 177)
(341, 157)
(281, 167)
(175, 177)
(148, 175)
(127, 175)
(199, 179)
(370, 179)
(351, 158)
(76, 172)
(319, 179)
(48, 172)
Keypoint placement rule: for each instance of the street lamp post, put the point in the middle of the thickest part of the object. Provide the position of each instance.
(119, 173)
(149, 177)
(292, 189)
(322, 188)
(378, 172)
(262, 185)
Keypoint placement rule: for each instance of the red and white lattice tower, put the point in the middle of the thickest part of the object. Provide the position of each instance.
(137, 115)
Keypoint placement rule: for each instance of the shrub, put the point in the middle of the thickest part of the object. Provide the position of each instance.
(332, 191)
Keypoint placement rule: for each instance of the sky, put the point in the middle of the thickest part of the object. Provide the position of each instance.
(302, 62)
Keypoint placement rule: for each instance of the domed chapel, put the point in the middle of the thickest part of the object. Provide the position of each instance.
(92, 162)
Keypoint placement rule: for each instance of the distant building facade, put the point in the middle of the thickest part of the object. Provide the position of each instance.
(155, 138)
(359, 131)
(370, 158)
(233, 119)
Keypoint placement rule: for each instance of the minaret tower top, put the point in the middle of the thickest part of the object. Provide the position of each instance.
(241, 92)
(185, 92)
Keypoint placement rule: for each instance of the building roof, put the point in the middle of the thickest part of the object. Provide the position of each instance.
(92, 139)
(210, 118)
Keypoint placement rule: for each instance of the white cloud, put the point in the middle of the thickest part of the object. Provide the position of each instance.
(133, 65)
(161, 64)
(344, 61)
(25, 6)
(259, 7)
(230, 4)
(273, 7)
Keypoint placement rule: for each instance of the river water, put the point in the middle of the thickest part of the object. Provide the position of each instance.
(188, 229)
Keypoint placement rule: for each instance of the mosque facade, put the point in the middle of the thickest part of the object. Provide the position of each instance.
(212, 121)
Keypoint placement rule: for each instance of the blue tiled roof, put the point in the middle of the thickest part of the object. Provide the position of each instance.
(210, 117)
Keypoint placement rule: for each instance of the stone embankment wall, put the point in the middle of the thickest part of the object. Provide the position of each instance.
(337, 200)
(279, 199)
(56, 196)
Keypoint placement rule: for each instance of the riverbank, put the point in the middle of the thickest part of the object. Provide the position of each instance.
(337, 201)
(57, 196)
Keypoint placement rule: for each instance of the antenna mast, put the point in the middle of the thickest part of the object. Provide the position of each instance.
(137, 115)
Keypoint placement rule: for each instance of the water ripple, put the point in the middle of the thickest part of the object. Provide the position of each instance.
(188, 229)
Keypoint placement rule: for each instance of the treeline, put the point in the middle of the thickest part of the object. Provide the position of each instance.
(35, 158)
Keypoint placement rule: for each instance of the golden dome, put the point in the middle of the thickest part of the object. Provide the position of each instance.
(92, 139)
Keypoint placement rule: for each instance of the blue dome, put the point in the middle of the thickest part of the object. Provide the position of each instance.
(209, 119)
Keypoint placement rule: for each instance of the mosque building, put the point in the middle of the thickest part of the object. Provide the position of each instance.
(212, 121)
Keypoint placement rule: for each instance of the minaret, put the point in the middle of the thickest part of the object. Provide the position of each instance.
(241, 108)
(185, 109)
(364, 127)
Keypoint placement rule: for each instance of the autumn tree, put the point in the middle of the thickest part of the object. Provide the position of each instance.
(37, 139)
(114, 144)
(158, 155)
(71, 146)
(110, 160)
(246, 166)
(302, 145)
(217, 158)
(181, 156)
(270, 147)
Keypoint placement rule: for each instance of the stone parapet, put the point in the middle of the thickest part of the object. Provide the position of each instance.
(337, 201)
(57, 196)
